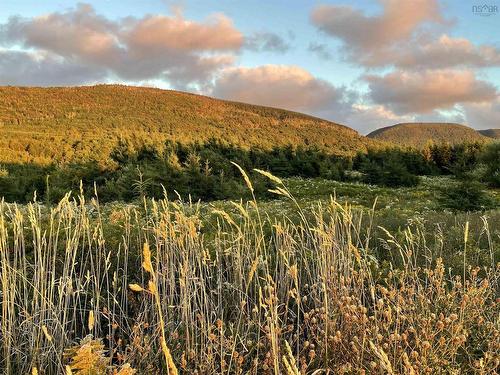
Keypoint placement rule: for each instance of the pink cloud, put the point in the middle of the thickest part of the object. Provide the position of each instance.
(425, 52)
(294, 88)
(177, 33)
(281, 86)
(400, 37)
(153, 47)
(79, 32)
(421, 92)
(398, 21)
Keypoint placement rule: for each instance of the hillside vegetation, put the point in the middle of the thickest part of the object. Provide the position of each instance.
(177, 288)
(79, 124)
(421, 134)
(492, 133)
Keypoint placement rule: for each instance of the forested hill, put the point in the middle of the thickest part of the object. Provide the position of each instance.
(492, 133)
(420, 134)
(76, 124)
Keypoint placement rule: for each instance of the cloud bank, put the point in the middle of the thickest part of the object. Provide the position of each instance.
(277, 86)
(153, 47)
(367, 34)
(426, 71)
(421, 92)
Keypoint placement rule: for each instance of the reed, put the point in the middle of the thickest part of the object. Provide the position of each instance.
(164, 293)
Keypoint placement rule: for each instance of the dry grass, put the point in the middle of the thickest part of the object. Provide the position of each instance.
(256, 296)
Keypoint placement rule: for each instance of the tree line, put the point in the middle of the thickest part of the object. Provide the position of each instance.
(204, 170)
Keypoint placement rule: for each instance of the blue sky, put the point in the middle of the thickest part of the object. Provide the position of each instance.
(366, 63)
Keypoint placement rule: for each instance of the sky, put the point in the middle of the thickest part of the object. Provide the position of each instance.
(365, 64)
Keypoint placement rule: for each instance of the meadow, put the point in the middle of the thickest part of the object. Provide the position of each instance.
(328, 277)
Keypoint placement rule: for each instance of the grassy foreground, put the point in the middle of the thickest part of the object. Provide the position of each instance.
(150, 290)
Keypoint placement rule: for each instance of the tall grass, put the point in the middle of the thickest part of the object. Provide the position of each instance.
(164, 294)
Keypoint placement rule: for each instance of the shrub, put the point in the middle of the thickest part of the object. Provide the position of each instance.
(466, 195)
(491, 158)
(388, 173)
(199, 170)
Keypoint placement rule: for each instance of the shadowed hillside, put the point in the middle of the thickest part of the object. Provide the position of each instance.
(43, 125)
(420, 134)
(492, 133)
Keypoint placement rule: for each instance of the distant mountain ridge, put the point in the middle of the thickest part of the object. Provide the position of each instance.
(420, 134)
(78, 124)
(492, 133)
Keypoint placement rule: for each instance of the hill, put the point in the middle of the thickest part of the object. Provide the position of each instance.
(43, 125)
(491, 133)
(419, 134)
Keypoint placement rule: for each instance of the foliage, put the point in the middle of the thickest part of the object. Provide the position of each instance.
(491, 158)
(80, 124)
(466, 195)
(202, 171)
(387, 168)
(398, 167)
(390, 173)
(420, 135)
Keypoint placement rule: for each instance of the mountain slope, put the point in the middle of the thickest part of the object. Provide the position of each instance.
(491, 133)
(44, 125)
(419, 134)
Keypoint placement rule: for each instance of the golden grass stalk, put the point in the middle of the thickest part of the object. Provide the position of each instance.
(172, 287)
